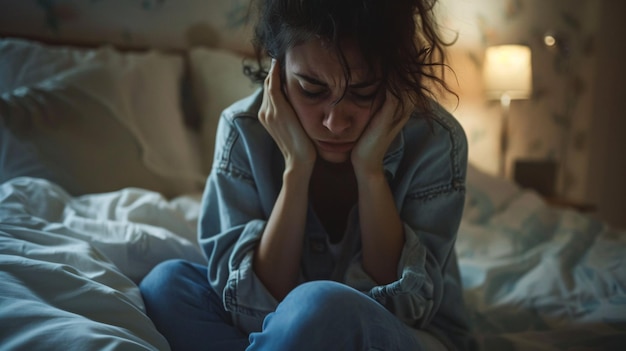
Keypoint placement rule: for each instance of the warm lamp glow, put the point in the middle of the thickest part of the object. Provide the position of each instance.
(507, 72)
(507, 76)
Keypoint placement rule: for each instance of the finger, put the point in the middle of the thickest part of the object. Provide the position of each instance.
(273, 76)
(267, 105)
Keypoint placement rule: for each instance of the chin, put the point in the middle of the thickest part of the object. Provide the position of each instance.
(334, 157)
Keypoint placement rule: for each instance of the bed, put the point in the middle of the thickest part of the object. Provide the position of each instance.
(103, 156)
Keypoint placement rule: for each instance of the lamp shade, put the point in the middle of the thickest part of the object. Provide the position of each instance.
(507, 72)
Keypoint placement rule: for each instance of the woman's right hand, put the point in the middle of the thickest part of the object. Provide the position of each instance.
(281, 122)
(278, 254)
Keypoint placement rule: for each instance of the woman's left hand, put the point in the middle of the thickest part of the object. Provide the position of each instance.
(367, 156)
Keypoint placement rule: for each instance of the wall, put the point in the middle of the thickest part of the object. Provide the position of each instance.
(607, 187)
(555, 123)
(577, 113)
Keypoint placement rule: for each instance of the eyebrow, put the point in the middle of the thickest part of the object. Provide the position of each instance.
(316, 81)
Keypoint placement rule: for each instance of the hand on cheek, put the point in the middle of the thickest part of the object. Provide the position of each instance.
(386, 123)
(280, 120)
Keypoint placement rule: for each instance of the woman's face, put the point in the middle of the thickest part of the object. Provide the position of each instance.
(314, 84)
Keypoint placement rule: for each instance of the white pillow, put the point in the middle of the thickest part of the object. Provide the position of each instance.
(95, 120)
(217, 81)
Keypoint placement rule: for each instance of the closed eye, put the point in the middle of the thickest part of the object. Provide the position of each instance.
(312, 94)
(313, 88)
(365, 97)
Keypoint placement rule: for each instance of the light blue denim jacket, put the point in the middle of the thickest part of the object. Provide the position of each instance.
(425, 167)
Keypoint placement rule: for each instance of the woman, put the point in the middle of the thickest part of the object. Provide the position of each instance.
(330, 215)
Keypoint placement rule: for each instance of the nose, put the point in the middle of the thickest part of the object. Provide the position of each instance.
(337, 119)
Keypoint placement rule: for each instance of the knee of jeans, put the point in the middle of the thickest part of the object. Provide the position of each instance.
(318, 301)
(320, 314)
(162, 278)
(324, 291)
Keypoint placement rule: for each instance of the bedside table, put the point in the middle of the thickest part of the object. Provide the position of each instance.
(540, 176)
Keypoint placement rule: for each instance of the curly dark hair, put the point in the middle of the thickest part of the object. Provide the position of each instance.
(398, 37)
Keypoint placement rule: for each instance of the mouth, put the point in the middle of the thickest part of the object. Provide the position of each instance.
(334, 146)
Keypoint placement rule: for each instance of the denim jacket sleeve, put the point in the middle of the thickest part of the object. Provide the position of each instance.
(233, 216)
(427, 179)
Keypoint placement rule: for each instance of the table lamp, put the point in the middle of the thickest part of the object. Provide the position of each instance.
(507, 76)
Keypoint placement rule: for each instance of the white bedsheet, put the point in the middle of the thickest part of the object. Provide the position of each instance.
(539, 277)
(536, 277)
(69, 266)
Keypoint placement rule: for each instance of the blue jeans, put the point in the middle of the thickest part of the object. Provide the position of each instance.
(319, 315)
